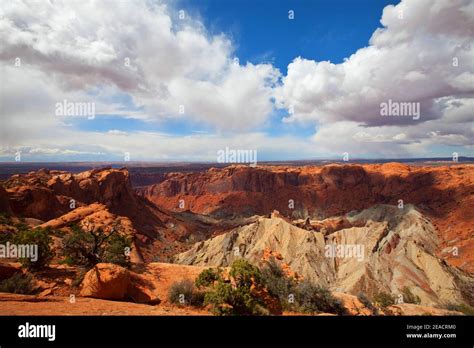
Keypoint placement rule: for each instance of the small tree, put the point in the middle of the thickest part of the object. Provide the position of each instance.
(115, 252)
(39, 237)
(89, 247)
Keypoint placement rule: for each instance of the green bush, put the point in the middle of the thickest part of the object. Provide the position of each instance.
(89, 248)
(244, 273)
(78, 248)
(39, 237)
(278, 284)
(18, 284)
(226, 299)
(184, 293)
(115, 250)
(314, 298)
(242, 292)
(208, 277)
(236, 296)
(384, 299)
(409, 297)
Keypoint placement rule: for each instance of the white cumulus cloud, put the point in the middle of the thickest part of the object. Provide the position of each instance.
(422, 54)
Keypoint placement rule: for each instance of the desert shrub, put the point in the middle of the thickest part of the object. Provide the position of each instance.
(244, 273)
(237, 295)
(207, 277)
(365, 300)
(5, 219)
(18, 283)
(463, 308)
(409, 297)
(198, 298)
(311, 298)
(89, 248)
(39, 237)
(227, 299)
(384, 299)
(277, 283)
(184, 293)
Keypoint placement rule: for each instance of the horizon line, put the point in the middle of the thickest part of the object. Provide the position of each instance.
(450, 159)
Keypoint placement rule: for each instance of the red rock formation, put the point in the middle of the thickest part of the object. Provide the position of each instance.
(443, 193)
(47, 194)
(324, 191)
(61, 198)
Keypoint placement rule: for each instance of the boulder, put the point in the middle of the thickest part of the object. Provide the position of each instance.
(106, 281)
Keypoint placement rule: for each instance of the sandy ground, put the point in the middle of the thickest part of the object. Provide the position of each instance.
(55, 300)
(12, 304)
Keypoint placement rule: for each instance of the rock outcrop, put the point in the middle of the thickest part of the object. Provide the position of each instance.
(48, 194)
(94, 217)
(106, 281)
(388, 249)
(101, 195)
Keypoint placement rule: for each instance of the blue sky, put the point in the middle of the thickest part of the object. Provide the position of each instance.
(261, 31)
(334, 64)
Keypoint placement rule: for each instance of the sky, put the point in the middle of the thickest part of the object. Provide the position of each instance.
(181, 80)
